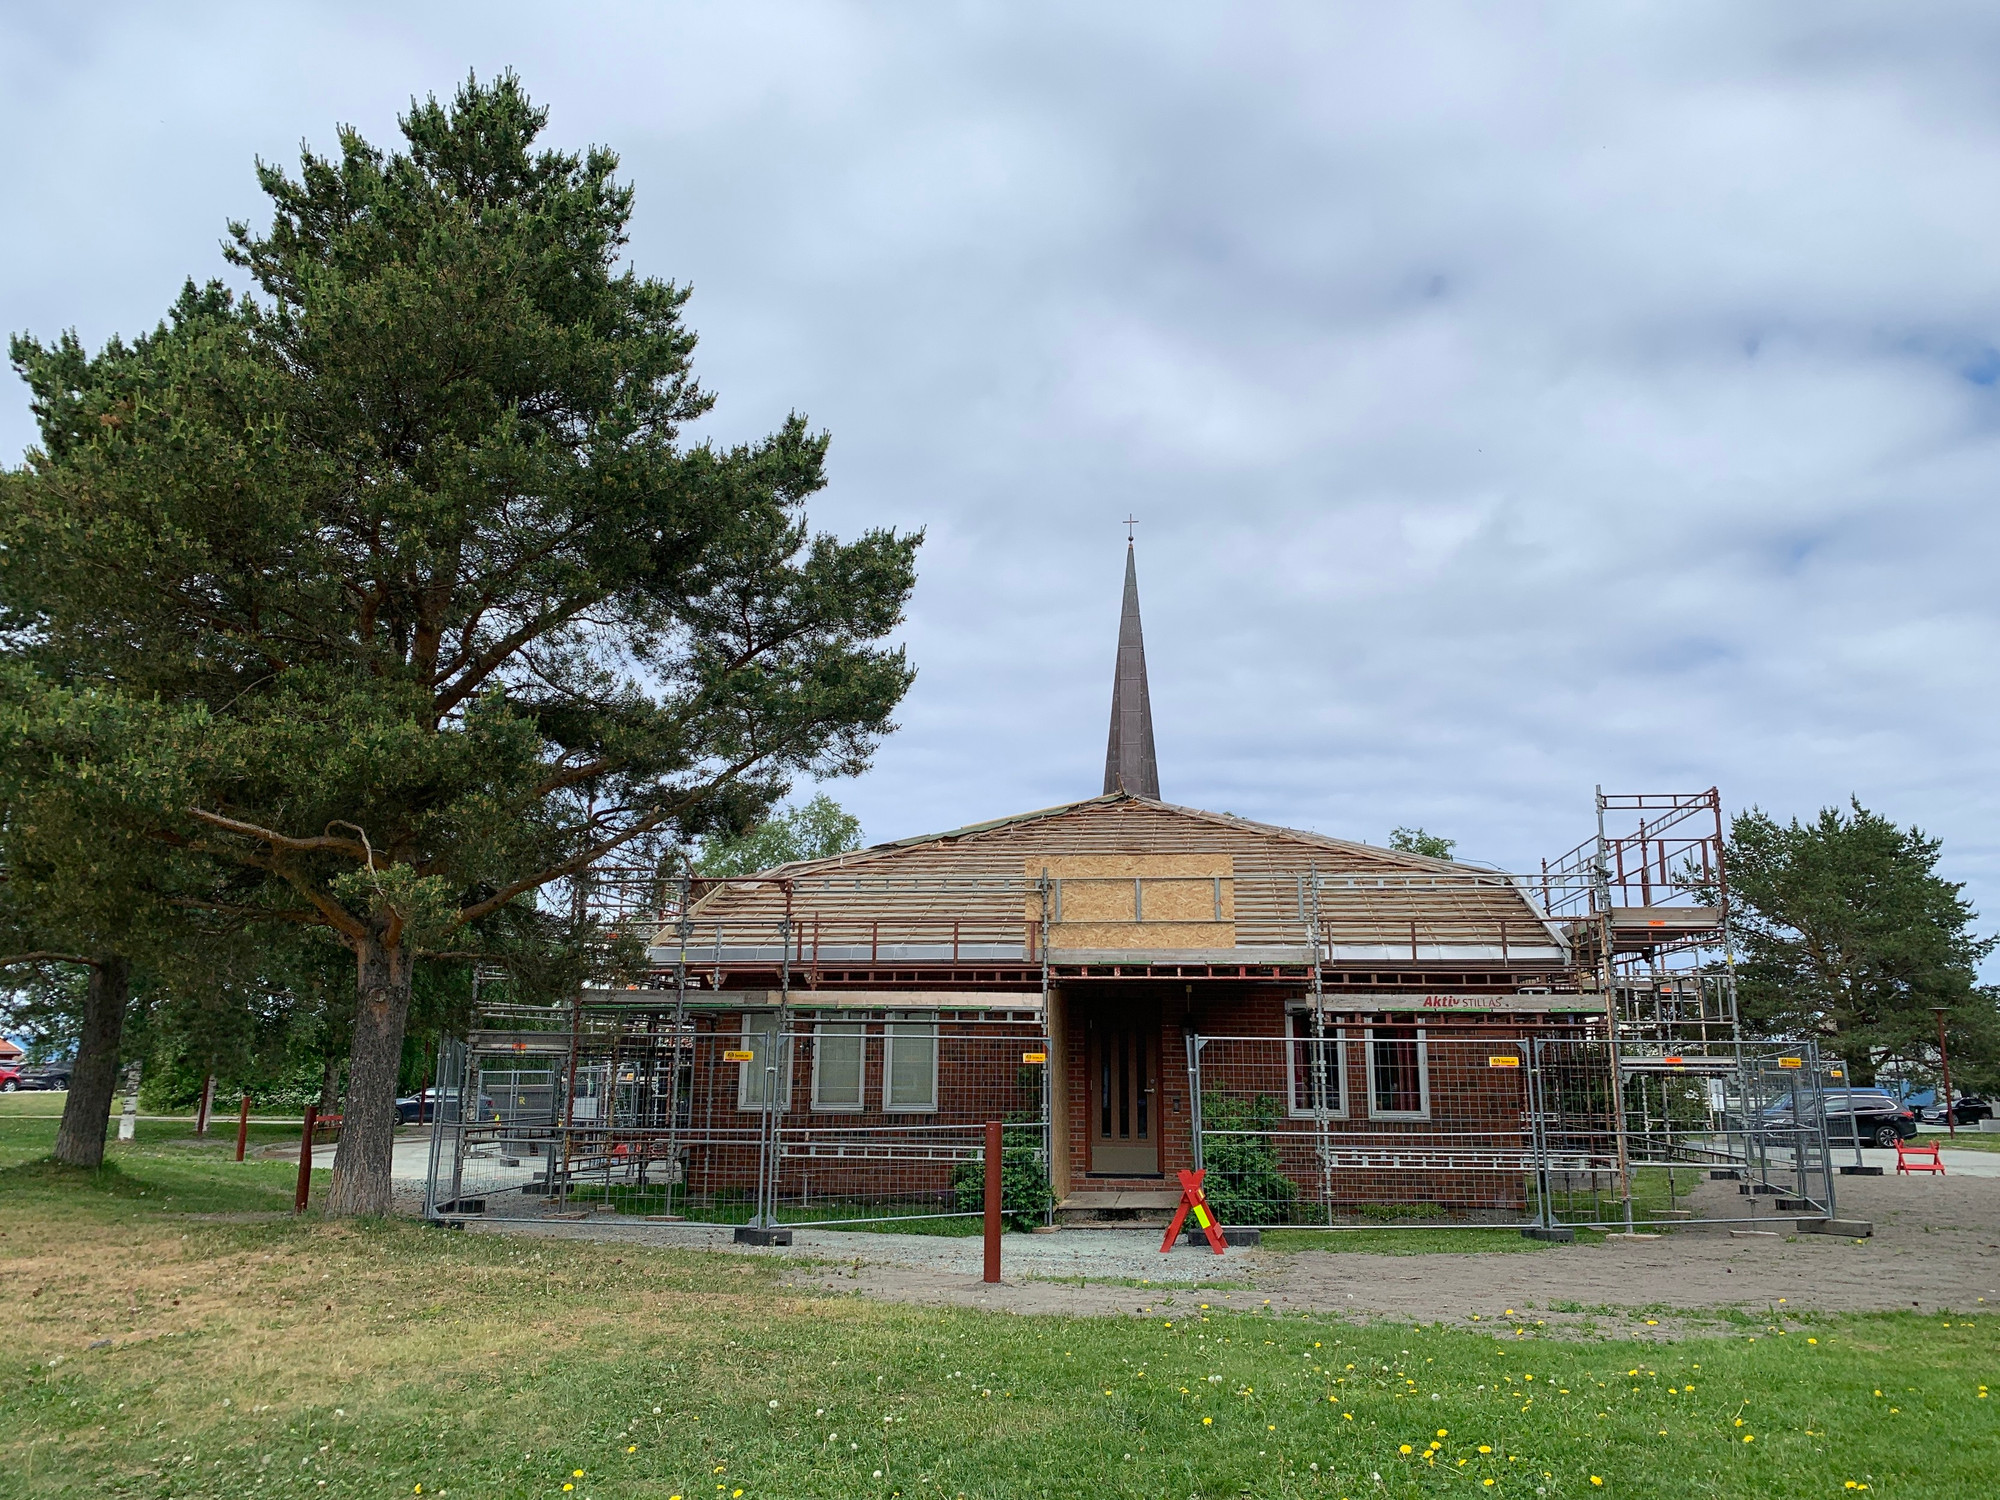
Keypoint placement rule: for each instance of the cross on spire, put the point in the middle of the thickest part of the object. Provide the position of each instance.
(1129, 762)
(1130, 522)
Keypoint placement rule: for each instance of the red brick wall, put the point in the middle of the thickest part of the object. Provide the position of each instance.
(980, 1076)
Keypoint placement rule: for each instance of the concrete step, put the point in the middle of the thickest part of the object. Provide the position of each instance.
(1125, 1208)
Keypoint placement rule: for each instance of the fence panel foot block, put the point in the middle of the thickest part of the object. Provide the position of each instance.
(1238, 1237)
(753, 1234)
(1854, 1229)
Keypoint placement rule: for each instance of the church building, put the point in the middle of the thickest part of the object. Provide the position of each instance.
(1143, 986)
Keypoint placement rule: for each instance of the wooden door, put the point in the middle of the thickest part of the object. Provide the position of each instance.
(1124, 1095)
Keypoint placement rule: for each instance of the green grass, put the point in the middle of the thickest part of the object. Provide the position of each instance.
(302, 1358)
(917, 1216)
(1967, 1140)
(25, 1102)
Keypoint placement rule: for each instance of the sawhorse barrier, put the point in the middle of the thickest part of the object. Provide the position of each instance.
(1194, 1202)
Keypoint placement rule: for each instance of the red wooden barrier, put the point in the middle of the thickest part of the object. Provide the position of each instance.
(305, 1161)
(1193, 1202)
(992, 1200)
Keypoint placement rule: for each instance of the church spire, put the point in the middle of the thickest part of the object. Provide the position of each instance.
(1129, 763)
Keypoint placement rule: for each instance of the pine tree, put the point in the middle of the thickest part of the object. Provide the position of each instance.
(1849, 934)
(404, 574)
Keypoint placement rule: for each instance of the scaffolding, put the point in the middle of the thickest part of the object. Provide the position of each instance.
(829, 1051)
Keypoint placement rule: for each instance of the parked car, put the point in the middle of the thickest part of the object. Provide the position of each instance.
(1877, 1118)
(46, 1076)
(1967, 1109)
(10, 1079)
(418, 1108)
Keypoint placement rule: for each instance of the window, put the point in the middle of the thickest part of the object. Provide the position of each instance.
(909, 1068)
(760, 1037)
(1317, 1067)
(1399, 1085)
(837, 1064)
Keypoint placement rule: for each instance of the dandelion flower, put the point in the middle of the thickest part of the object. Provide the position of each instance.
(1208, 1421)
(1404, 1449)
(1749, 1437)
(634, 1448)
(1485, 1448)
(1595, 1480)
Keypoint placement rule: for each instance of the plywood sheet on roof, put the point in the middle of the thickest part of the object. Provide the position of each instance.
(1135, 887)
(1136, 902)
(1140, 937)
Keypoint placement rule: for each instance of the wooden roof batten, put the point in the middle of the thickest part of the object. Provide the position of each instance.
(1116, 880)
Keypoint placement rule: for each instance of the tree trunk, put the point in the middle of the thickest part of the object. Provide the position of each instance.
(329, 1085)
(368, 1123)
(94, 1078)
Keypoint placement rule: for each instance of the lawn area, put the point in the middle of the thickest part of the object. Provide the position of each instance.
(1965, 1140)
(278, 1357)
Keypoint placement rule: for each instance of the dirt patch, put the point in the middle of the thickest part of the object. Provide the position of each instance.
(1936, 1246)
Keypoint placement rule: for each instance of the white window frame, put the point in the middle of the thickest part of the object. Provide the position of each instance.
(857, 1032)
(1423, 1076)
(1298, 1029)
(891, 1042)
(759, 1029)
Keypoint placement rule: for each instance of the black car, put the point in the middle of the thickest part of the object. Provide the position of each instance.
(1967, 1109)
(418, 1108)
(46, 1076)
(1874, 1116)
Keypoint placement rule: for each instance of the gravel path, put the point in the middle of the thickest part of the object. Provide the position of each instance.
(1936, 1246)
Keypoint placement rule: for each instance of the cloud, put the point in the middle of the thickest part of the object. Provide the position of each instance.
(1513, 400)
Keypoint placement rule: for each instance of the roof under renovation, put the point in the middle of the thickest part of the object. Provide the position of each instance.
(1120, 878)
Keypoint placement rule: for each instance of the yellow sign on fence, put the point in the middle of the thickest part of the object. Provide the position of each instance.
(1791, 1062)
(739, 1054)
(1503, 1062)
(1034, 1057)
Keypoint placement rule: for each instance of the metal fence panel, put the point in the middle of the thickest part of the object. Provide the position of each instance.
(845, 1118)
(1396, 1125)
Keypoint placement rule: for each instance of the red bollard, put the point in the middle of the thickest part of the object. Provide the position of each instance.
(992, 1201)
(305, 1161)
(243, 1127)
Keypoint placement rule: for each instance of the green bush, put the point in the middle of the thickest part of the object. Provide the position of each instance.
(1025, 1194)
(1244, 1184)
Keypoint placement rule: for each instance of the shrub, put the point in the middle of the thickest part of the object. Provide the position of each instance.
(1025, 1195)
(1244, 1184)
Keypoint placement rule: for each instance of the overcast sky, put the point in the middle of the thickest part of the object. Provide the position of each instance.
(1513, 398)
